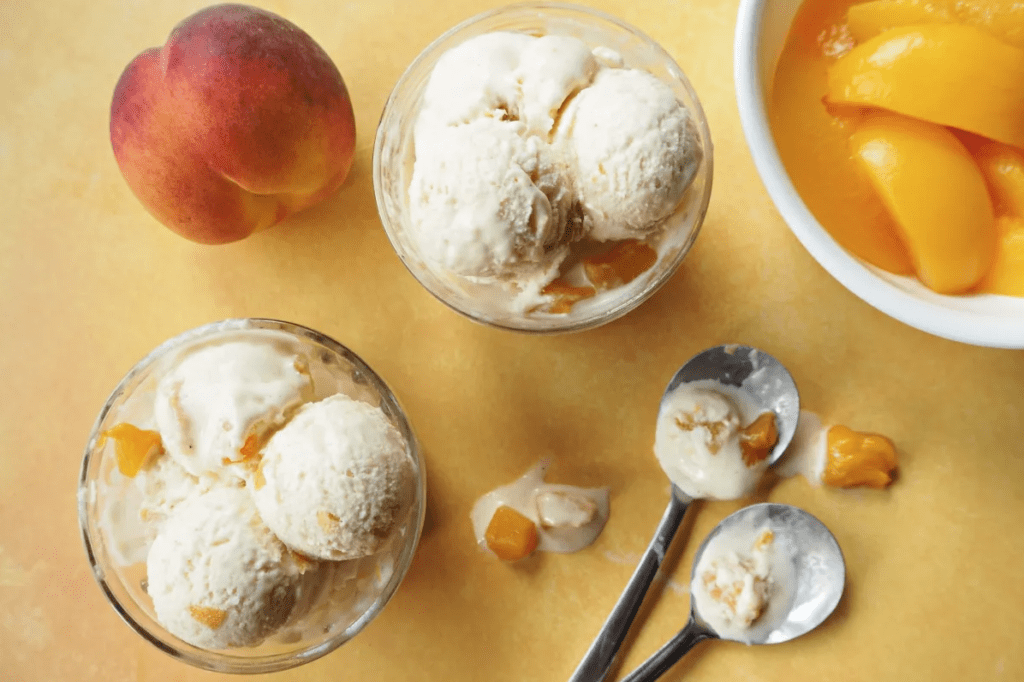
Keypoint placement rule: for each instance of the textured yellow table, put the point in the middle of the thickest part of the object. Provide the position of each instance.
(89, 283)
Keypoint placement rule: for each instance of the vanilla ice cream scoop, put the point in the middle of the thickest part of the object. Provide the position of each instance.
(507, 76)
(474, 206)
(474, 79)
(335, 481)
(636, 150)
(215, 407)
(218, 577)
(528, 150)
(489, 196)
(551, 70)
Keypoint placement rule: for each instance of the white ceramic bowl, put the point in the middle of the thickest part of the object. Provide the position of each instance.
(983, 320)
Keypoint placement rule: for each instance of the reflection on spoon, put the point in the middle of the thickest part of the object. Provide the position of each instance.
(763, 385)
(802, 585)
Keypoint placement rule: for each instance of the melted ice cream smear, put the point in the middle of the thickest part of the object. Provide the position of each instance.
(568, 517)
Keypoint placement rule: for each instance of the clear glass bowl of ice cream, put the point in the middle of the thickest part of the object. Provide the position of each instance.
(251, 496)
(543, 167)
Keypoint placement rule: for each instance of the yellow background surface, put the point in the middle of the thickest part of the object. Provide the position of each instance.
(89, 283)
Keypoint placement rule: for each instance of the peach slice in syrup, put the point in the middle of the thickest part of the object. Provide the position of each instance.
(1003, 19)
(935, 192)
(1006, 276)
(949, 74)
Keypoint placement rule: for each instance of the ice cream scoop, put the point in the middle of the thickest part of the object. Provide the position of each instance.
(635, 149)
(767, 385)
(215, 407)
(807, 593)
(336, 480)
(219, 578)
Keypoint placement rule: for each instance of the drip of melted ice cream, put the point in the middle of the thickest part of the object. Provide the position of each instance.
(568, 517)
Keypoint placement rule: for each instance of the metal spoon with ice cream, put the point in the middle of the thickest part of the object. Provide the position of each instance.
(727, 385)
(766, 574)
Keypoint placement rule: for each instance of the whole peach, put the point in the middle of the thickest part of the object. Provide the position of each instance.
(238, 121)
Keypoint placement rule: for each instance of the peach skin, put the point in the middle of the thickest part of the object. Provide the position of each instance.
(238, 121)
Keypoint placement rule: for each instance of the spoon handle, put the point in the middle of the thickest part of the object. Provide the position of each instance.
(667, 656)
(598, 660)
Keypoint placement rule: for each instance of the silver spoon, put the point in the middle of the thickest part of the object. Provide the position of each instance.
(770, 387)
(817, 576)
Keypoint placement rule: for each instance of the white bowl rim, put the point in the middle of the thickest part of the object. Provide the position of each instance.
(972, 327)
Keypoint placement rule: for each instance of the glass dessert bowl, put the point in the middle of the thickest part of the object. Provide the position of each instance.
(251, 496)
(542, 168)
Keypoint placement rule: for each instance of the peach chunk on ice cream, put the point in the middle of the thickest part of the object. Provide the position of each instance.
(238, 121)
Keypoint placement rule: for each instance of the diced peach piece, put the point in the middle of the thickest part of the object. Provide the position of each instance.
(764, 540)
(856, 458)
(1006, 276)
(948, 74)
(1002, 167)
(934, 190)
(511, 535)
(249, 450)
(620, 265)
(209, 616)
(566, 295)
(328, 522)
(758, 438)
(132, 446)
(1003, 19)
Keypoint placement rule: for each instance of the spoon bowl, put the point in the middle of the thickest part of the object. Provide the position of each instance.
(808, 558)
(767, 384)
(762, 378)
(809, 577)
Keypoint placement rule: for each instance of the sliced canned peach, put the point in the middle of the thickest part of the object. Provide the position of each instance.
(868, 19)
(948, 74)
(1006, 276)
(623, 263)
(936, 194)
(1003, 169)
(1003, 19)
(813, 143)
(565, 295)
